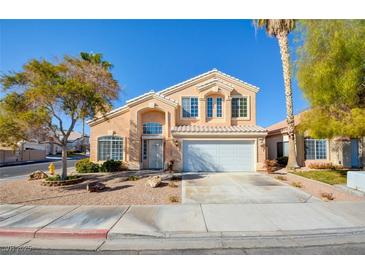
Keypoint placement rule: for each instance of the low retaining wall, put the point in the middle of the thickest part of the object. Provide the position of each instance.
(356, 180)
(10, 156)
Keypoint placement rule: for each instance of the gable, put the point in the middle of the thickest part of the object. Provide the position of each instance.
(213, 80)
(211, 77)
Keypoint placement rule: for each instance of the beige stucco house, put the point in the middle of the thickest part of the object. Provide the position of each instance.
(340, 151)
(206, 123)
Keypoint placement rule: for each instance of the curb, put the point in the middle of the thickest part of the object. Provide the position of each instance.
(18, 232)
(102, 234)
(49, 233)
(52, 233)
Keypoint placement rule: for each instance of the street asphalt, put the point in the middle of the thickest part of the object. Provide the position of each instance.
(22, 171)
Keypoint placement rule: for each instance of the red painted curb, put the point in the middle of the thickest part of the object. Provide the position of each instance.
(18, 232)
(72, 233)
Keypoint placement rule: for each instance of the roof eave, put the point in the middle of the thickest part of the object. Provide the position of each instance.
(219, 134)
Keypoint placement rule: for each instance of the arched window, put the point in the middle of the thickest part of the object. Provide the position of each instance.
(152, 128)
(110, 148)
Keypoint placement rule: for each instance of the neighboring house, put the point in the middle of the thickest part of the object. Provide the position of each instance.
(206, 123)
(9, 155)
(342, 151)
(74, 143)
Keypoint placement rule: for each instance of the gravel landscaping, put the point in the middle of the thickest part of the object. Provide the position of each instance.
(316, 188)
(120, 191)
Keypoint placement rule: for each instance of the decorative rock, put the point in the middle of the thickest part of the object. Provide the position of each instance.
(154, 181)
(37, 175)
(95, 187)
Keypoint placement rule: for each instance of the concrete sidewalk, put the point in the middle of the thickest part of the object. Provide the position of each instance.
(179, 221)
(184, 229)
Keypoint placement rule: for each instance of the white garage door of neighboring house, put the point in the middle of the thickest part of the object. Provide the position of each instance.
(218, 155)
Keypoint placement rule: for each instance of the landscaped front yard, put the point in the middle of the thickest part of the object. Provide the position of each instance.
(331, 177)
(320, 184)
(121, 189)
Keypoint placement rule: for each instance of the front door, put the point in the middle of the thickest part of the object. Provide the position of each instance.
(155, 154)
(355, 160)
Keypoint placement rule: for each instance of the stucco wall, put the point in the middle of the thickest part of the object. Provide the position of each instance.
(192, 90)
(271, 143)
(118, 125)
(338, 151)
(261, 153)
(129, 123)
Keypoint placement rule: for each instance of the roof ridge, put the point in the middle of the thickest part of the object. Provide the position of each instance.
(204, 74)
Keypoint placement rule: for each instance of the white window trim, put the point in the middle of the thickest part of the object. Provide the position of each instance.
(216, 108)
(124, 147)
(248, 108)
(146, 134)
(181, 109)
(315, 150)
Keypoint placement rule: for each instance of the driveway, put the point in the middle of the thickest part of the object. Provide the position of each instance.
(239, 188)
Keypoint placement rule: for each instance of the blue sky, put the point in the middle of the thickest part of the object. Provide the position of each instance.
(155, 54)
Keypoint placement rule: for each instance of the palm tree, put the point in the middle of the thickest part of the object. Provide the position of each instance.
(280, 28)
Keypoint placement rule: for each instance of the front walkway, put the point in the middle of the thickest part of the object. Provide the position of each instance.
(239, 188)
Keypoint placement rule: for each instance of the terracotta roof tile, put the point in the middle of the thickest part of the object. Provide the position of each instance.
(218, 129)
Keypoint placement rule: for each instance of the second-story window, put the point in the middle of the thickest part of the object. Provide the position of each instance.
(210, 107)
(239, 107)
(190, 107)
(152, 128)
(219, 107)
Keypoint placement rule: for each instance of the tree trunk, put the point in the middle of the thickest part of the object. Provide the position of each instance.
(64, 162)
(285, 59)
(362, 149)
(83, 136)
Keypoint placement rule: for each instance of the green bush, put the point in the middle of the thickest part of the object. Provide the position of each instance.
(85, 166)
(133, 178)
(111, 166)
(58, 178)
(282, 161)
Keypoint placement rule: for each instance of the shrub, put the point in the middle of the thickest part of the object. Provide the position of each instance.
(85, 166)
(172, 184)
(328, 196)
(54, 178)
(72, 152)
(321, 166)
(176, 177)
(297, 184)
(174, 199)
(271, 165)
(282, 161)
(112, 166)
(133, 178)
(58, 178)
(170, 166)
(281, 178)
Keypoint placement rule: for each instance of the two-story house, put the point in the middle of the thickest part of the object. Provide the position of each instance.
(206, 123)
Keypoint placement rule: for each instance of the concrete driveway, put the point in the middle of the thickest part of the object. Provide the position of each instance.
(239, 188)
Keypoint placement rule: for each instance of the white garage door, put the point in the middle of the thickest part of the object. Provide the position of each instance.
(218, 155)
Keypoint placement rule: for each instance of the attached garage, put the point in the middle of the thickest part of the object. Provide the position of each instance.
(219, 155)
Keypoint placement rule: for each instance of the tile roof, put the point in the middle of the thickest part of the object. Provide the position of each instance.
(282, 125)
(218, 129)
